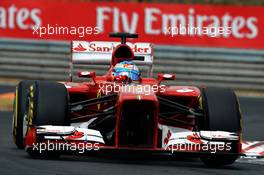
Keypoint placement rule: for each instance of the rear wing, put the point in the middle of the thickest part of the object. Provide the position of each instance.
(100, 53)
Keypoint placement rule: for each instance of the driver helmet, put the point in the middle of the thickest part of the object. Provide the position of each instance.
(127, 68)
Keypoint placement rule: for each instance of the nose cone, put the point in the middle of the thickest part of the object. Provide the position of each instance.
(137, 120)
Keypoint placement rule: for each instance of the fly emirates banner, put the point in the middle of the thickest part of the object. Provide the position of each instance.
(166, 24)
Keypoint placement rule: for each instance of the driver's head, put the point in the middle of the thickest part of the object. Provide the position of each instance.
(127, 68)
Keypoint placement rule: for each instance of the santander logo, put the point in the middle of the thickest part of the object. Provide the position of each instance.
(167, 138)
(75, 136)
(194, 138)
(79, 48)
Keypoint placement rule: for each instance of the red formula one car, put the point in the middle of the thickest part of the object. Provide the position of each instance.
(124, 111)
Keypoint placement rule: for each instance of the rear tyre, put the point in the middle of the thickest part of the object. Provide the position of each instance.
(20, 108)
(222, 113)
(48, 105)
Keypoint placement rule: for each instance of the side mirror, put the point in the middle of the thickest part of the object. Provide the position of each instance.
(162, 77)
(86, 74)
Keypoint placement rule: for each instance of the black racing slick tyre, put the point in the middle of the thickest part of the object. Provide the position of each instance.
(48, 105)
(221, 109)
(19, 111)
(221, 113)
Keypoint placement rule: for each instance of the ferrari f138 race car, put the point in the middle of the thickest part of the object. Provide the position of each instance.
(124, 111)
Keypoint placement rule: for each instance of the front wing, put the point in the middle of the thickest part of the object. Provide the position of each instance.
(69, 139)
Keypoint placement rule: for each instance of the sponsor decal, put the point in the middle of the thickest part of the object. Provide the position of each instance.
(108, 47)
(79, 48)
(166, 139)
(194, 138)
(76, 135)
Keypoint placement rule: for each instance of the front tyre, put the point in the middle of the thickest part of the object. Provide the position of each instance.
(48, 105)
(222, 113)
(19, 111)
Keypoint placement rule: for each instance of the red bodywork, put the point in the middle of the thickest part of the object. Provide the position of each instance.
(88, 90)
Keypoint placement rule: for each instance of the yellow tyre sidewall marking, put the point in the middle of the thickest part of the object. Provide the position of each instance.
(31, 106)
(98, 96)
(200, 100)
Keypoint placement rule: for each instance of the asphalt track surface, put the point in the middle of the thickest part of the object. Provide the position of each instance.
(14, 161)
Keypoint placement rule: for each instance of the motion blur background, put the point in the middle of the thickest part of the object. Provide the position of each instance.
(235, 61)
